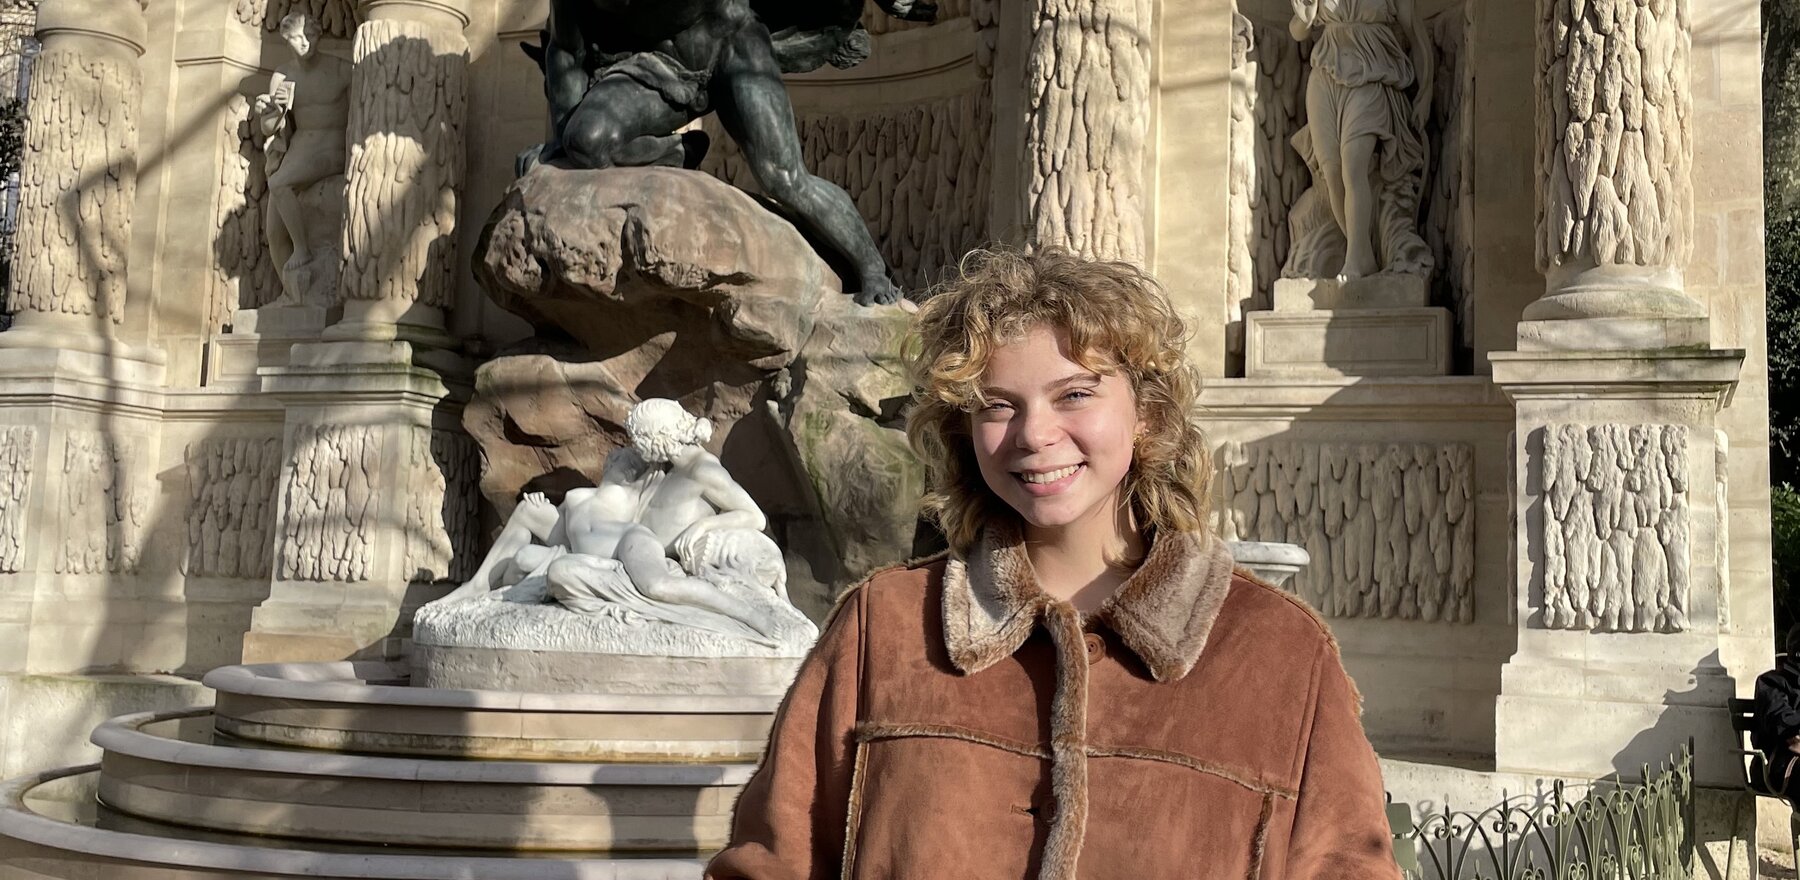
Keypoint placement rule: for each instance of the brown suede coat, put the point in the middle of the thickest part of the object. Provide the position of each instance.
(956, 722)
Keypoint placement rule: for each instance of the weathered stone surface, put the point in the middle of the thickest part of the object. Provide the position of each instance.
(657, 259)
(672, 284)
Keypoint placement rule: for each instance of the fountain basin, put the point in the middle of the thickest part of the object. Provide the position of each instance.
(165, 766)
(51, 830)
(366, 707)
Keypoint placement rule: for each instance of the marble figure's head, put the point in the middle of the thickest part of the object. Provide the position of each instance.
(302, 32)
(660, 428)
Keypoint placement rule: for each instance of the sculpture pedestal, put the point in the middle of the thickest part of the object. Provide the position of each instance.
(375, 507)
(1323, 328)
(261, 338)
(1618, 490)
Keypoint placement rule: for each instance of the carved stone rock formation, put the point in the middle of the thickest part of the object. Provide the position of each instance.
(1087, 102)
(327, 501)
(1390, 528)
(231, 507)
(338, 17)
(78, 183)
(105, 509)
(409, 102)
(677, 285)
(1615, 145)
(1449, 198)
(1616, 530)
(17, 444)
(657, 260)
(243, 276)
(443, 520)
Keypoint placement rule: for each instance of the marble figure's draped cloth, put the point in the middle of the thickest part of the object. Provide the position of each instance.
(1359, 79)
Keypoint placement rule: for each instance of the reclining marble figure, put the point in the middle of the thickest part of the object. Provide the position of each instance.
(665, 527)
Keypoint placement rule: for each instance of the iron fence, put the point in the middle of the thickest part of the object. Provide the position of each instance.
(1613, 831)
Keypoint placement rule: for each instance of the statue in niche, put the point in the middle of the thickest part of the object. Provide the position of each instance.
(623, 77)
(302, 119)
(668, 534)
(1367, 103)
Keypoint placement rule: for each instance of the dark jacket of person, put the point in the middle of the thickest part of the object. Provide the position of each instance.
(1777, 710)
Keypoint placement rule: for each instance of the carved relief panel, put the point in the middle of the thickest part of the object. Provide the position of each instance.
(1390, 527)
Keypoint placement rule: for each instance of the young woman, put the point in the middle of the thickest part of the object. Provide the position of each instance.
(1083, 686)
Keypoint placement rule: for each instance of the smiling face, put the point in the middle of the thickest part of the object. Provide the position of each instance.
(1054, 440)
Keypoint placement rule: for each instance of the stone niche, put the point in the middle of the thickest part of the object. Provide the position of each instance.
(710, 299)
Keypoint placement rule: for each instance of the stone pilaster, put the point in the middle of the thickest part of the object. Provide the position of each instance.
(1619, 547)
(375, 506)
(79, 174)
(406, 170)
(1615, 200)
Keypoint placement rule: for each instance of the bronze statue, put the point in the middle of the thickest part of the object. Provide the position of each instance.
(623, 76)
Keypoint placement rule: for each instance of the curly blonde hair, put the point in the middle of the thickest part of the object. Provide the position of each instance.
(1118, 321)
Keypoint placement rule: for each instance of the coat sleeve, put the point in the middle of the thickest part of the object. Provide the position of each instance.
(789, 823)
(1777, 712)
(1340, 827)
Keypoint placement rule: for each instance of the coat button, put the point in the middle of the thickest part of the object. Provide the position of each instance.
(1096, 648)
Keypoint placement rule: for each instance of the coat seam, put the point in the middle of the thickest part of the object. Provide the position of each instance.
(853, 813)
(1261, 839)
(872, 731)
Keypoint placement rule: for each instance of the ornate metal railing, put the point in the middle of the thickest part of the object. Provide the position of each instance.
(1611, 832)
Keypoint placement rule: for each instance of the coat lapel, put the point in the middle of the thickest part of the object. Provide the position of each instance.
(1164, 612)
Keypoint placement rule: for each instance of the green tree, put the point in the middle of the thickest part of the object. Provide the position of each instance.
(1781, 220)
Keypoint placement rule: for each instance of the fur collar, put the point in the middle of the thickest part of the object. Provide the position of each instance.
(1164, 612)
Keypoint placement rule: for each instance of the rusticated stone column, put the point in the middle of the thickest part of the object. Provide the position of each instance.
(1087, 122)
(1615, 199)
(408, 106)
(79, 174)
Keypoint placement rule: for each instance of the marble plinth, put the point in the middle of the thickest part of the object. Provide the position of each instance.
(1348, 342)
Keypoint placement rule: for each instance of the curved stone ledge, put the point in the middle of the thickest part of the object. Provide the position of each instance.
(41, 847)
(346, 707)
(414, 802)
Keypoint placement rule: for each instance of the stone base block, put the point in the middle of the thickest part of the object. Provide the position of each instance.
(1627, 716)
(1372, 292)
(1614, 334)
(45, 719)
(1358, 342)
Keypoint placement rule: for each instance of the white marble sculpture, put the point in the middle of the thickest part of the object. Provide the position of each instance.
(668, 535)
(1367, 102)
(302, 119)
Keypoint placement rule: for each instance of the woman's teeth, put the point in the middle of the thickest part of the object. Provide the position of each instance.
(1050, 476)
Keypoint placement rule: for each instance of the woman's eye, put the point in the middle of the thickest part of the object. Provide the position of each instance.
(1078, 394)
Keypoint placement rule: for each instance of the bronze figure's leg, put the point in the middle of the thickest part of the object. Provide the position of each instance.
(753, 105)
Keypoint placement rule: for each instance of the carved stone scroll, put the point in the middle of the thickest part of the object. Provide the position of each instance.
(443, 512)
(328, 503)
(1614, 139)
(243, 275)
(1391, 528)
(231, 507)
(105, 509)
(410, 100)
(1087, 105)
(1615, 527)
(17, 446)
(78, 182)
